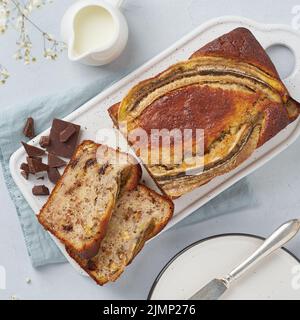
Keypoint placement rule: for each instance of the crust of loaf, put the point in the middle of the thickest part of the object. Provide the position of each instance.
(239, 44)
(152, 229)
(89, 248)
(238, 47)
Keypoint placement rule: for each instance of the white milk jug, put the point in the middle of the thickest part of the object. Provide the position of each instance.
(95, 31)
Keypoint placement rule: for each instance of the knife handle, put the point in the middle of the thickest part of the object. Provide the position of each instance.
(275, 241)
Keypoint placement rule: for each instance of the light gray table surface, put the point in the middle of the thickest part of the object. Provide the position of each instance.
(154, 25)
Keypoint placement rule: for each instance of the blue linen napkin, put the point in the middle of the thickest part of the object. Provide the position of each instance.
(41, 248)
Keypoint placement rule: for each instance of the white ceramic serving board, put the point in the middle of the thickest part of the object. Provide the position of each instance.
(93, 116)
(275, 278)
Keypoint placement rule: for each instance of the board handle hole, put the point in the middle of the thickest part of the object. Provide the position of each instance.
(283, 58)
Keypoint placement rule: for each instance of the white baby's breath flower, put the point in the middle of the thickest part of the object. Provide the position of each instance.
(4, 75)
(17, 55)
(3, 18)
(30, 7)
(36, 3)
(3, 12)
(17, 13)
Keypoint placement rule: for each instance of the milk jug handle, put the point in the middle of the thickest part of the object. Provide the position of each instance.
(116, 3)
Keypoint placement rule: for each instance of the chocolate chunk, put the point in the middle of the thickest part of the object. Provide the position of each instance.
(40, 190)
(25, 174)
(62, 149)
(36, 165)
(24, 167)
(67, 133)
(91, 265)
(103, 168)
(29, 128)
(53, 175)
(74, 186)
(32, 151)
(54, 161)
(44, 141)
(36, 158)
(68, 227)
(90, 163)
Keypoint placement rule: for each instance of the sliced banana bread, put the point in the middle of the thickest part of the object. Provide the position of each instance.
(138, 216)
(80, 206)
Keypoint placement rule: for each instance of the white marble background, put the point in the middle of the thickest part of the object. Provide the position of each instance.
(154, 25)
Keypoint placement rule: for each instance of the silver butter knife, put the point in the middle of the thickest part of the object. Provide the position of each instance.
(215, 288)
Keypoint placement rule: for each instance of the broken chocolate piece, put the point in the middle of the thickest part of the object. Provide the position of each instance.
(67, 133)
(54, 161)
(24, 167)
(29, 128)
(44, 141)
(62, 149)
(36, 165)
(53, 175)
(25, 174)
(40, 190)
(32, 151)
(36, 158)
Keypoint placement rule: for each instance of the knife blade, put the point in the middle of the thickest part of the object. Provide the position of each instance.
(212, 291)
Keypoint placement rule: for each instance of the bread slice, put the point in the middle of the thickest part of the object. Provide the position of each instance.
(80, 206)
(138, 216)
